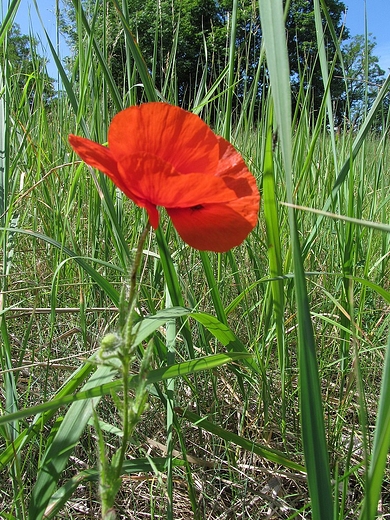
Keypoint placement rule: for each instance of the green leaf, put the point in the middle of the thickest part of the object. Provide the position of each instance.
(253, 447)
(155, 376)
(380, 449)
(226, 336)
(59, 450)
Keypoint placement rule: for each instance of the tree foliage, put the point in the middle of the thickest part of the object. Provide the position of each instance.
(185, 44)
(303, 50)
(363, 75)
(23, 62)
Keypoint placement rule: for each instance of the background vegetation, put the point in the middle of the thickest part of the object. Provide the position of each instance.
(299, 429)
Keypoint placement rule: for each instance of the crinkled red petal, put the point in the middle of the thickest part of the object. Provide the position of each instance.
(154, 180)
(161, 155)
(101, 157)
(176, 136)
(216, 227)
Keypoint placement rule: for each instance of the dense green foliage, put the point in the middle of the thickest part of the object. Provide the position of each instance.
(363, 75)
(188, 41)
(25, 63)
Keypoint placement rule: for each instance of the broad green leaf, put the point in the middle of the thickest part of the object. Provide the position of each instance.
(155, 376)
(312, 420)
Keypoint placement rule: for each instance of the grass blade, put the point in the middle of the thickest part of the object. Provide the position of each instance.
(63, 444)
(251, 446)
(312, 420)
(380, 447)
(274, 254)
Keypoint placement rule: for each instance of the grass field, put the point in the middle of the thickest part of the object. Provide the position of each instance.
(264, 372)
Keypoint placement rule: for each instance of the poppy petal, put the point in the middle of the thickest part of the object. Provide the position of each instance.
(178, 137)
(101, 157)
(220, 227)
(216, 227)
(232, 168)
(161, 155)
(151, 179)
(97, 156)
(94, 154)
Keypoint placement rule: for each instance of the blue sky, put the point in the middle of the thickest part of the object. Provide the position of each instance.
(378, 18)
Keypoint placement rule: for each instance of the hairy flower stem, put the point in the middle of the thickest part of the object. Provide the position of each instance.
(127, 354)
(131, 408)
(137, 261)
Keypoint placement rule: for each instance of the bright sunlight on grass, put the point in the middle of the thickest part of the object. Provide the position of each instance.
(142, 377)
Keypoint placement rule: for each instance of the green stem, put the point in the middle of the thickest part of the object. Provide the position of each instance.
(127, 354)
(129, 417)
(137, 261)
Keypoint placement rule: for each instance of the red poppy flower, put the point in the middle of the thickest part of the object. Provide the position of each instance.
(162, 155)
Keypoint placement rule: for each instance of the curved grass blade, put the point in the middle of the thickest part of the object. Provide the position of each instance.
(313, 429)
(375, 287)
(155, 376)
(8, 19)
(100, 280)
(380, 447)
(253, 447)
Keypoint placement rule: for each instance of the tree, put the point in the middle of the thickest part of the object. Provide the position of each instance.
(363, 75)
(303, 49)
(26, 66)
(171, 34)
(182, 41)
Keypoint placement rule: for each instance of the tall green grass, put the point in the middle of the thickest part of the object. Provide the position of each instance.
(268, 360)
